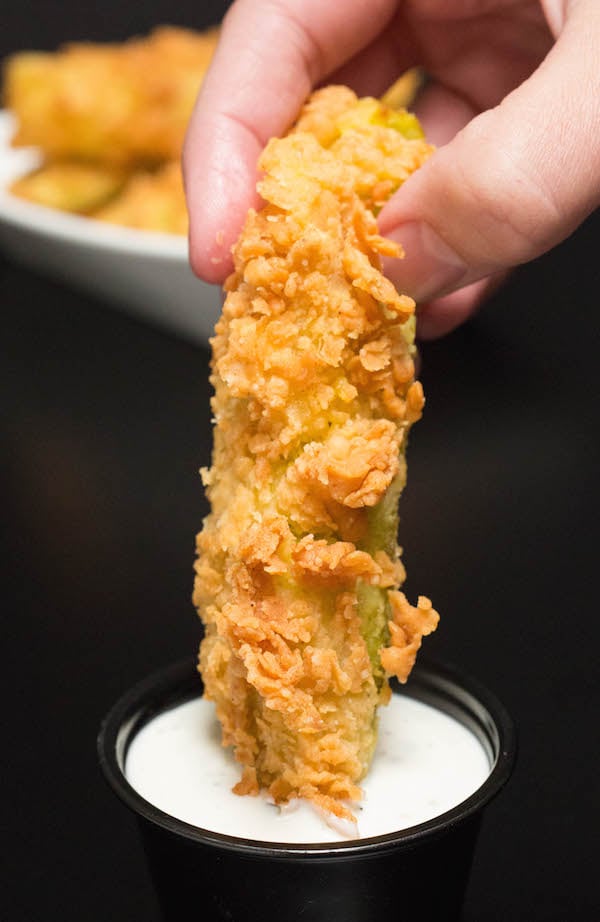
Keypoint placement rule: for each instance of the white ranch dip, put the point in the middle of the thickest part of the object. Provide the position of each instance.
(425, 763)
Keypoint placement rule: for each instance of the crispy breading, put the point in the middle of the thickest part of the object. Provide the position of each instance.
(298, 569)
(110, 121)
(122, 103)
(80, 188)
(152, 201)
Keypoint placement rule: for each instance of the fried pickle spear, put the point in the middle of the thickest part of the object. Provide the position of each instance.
(298, 571)
(79, 188)
(402, 93)
(150, 201)
(147, 200)
(119, 104)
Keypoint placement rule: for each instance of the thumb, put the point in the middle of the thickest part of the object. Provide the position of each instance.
(513, 183)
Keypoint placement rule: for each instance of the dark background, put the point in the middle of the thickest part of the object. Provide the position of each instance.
(104, 424)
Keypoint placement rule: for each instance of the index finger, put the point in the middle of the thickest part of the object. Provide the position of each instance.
(270, 55)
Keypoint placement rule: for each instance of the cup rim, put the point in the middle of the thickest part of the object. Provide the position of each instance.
(441, 684)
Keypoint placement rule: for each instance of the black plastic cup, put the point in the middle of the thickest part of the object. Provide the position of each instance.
(414, 875)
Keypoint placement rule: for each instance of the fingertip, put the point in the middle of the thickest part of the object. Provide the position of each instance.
(437, 319)
(212, 263)
(442, 315)
(429, 265)
(217, 205)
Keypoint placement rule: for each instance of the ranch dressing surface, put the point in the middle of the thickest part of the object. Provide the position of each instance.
(425, 763)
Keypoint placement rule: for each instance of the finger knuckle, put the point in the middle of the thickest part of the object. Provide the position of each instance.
(507, 213)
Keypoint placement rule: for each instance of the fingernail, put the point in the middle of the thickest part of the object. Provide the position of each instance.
(430, 267)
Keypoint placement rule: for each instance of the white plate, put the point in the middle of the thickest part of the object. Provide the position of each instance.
(143, 271)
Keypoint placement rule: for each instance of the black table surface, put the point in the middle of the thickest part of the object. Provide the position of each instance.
(105, 422)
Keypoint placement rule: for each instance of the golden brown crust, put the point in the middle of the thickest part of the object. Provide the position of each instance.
(408, 626)
(80, 188)
(117, 104)
(153, 201)
(109, 121)
(314, 395)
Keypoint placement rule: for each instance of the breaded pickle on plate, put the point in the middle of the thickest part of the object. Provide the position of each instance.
(123, 104)
(298, 573)
(150, 201)
(79, 188)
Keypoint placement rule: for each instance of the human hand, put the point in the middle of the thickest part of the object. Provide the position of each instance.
(513, 104)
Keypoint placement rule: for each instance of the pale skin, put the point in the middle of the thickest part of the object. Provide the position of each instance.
(513, 105)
